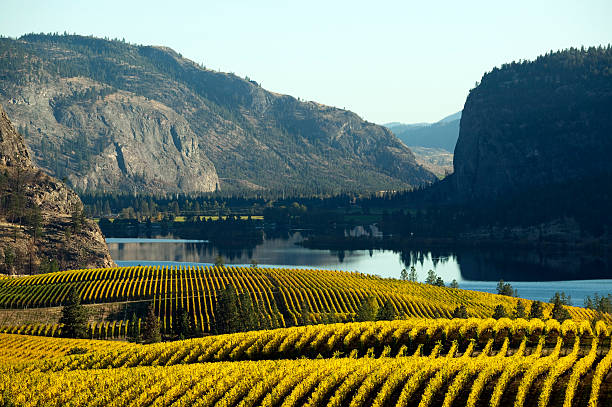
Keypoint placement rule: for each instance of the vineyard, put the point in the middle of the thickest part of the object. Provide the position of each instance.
(414, 362)
(279, 295)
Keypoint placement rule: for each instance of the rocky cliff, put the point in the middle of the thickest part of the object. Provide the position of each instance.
(537, 123)
(112, 116)
(42, 226)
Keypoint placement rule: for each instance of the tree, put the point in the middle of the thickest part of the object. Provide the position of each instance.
(519, 310)
(460, 312)
(439, 282)
(133, 331)
(74, 316)
(500, 312)
(181, 323)
(505, 289)
(413, 275)
(403, 275)
(454, 284)
(386, 312)
(227, 314)
(536, 310)
(248, 316)
(559, 312)
(562, 298)
(305, 317)
(431, 277)
(151, 332)
(367, 310)
(219, 261)
(254, 264)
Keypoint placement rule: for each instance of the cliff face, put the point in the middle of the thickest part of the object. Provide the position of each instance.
(40, 219)
(536, 123)
(112, 116)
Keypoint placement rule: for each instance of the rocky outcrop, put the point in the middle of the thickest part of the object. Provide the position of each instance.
(536, 123)
(117, 117)
(40, 218)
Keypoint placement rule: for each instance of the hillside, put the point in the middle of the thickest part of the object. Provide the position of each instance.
(118, 117)
(279, 296)
(442, 134)
(537, 123)
(432, 143)
(42, 224)
(473, 362)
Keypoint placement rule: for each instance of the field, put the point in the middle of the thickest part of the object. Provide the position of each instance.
(279, 295)
(424, 357)
(414, 362)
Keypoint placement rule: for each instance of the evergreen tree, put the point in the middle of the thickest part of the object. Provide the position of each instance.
(181, 323)
(505, 289)
(74, 316)
(413, 275)
(133, 331)
(151, 330)
(305, 317)
(536, 310)
(460, 312)
(386, 312)
(454, 284)
(500, 312)
(227, 312)
(403, 275)
(431, 277)
(248, 315)
(519, 310)
(439, 282)
(219, 261)
(367, 310)
(559, 312)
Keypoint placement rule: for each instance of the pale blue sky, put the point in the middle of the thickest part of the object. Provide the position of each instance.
(387, 61)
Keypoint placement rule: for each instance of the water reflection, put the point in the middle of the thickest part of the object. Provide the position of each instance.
(463, 265)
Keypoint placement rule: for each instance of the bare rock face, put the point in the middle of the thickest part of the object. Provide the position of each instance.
(531, 124)
(27, 244)
(110, 116)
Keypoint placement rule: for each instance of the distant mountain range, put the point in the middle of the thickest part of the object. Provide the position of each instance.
(110, 116)
(442, 134)
(432, 143)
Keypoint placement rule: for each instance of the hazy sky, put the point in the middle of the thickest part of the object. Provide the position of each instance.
(408, 61)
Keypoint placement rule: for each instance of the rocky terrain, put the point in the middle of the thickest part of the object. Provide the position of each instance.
(111, 116)
(537, 123)
(42, 225)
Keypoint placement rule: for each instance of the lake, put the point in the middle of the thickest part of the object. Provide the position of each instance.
(534, 274)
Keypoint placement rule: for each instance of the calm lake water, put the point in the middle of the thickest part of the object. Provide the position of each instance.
(535, 275)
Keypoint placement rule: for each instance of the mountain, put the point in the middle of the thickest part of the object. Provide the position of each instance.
(440, 135)
(42, 225)
(111, 116)
(431, 143)
(540, 123)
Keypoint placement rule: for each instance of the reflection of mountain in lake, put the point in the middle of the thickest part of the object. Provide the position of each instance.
(509, 265)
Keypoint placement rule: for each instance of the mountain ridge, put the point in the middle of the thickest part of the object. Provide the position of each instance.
(232, 134)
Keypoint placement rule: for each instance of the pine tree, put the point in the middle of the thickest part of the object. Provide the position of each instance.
(133, 332)
(519, 310)
(412, 276)
(460, 312)
(227, 313)
(536, 310)
(74, 316)
(181, 323)
(559, 312)
(304, 318)
(367, 310)
(248, 316)
(500, 312)
(151, 332)
(386, 312)
(431, 277)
